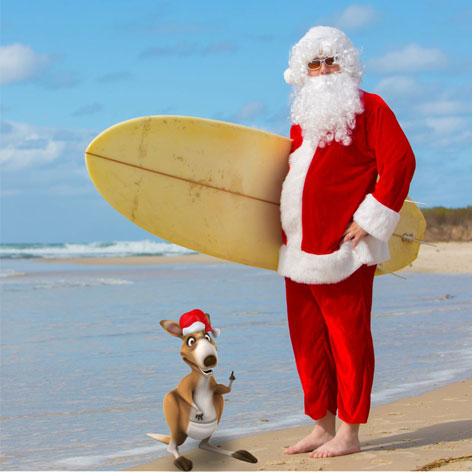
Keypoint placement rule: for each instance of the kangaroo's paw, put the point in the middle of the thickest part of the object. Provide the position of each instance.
(183, 463)
(245, 456)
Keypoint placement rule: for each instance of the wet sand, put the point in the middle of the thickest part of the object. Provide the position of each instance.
(446, 258)
(432, 431)
(140, 260)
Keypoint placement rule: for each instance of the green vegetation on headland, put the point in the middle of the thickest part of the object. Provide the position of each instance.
(448, 224)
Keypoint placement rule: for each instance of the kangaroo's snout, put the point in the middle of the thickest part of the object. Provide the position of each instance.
(209, 361)
(200, 352)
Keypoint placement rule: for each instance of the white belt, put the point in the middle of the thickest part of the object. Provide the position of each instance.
(201, 430)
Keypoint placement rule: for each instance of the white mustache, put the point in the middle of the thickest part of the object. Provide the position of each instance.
(325, 108)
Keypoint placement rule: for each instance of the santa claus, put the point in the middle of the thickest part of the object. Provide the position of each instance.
(349, 172)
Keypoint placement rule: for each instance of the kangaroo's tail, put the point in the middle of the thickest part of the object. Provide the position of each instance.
(160, 437)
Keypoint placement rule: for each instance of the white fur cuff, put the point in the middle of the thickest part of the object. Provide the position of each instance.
(375, 218)
(307, 268)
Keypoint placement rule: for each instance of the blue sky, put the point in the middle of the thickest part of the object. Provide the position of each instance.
(71, 69)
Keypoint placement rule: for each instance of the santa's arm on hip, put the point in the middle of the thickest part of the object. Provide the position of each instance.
(378, 214)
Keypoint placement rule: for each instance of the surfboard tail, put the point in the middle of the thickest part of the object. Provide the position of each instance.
(160, 437)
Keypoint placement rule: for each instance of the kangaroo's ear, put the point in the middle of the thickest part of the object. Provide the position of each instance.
(172, 328)
(215, 331)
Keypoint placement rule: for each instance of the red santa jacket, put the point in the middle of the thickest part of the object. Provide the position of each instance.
(328, 187)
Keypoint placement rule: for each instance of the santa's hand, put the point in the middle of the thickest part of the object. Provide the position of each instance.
(354, 233)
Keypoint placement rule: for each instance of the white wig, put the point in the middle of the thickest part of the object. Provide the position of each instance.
(326, 41)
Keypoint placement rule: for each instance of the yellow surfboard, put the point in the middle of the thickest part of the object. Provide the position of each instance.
(210, 186)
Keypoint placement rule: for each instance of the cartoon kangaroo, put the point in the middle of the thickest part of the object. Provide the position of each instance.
(195, 407)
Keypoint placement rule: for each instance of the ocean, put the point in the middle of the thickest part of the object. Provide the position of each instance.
(148, 247)
(85, 363)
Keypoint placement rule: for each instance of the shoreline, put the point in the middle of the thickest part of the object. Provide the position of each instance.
(139, 260)
(444, 258)
(387, 434)
(430, 431)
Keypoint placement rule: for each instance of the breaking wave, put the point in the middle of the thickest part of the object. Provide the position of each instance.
(94, 249)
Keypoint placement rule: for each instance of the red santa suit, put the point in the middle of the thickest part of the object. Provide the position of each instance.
(329, 285)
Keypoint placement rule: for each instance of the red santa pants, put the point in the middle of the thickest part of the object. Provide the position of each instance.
(332, 342)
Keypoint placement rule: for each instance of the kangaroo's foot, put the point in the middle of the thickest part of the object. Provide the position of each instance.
(180, 462)
(183, 463)
(241, 454)
(245, 456)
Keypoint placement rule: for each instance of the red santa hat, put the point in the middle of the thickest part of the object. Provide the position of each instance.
(194, 321)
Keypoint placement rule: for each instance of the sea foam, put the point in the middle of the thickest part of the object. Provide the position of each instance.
(94, 249)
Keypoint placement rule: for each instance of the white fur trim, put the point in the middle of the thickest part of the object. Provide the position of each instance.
(194, 328)
(307, 268)
(292, 192)
(302, 266)
(289, 77)
(376, 218)
(216, 332)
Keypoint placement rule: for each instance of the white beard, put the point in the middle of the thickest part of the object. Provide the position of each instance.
(325, 107)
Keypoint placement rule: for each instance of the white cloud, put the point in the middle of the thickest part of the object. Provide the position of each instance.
(248, 111)
(355, 17)
(27, 146)
(397, 85)
(24, 146)
(39, 160)
(450, 133)
(444, 107)
(88, 109)
(20, 63)
(187, 48)
(412, 57)
(447, 125)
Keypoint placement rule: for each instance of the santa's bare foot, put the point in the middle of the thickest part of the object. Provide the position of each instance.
(323, 431)
(345, 442)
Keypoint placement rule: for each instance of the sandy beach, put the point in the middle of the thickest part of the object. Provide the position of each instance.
(139, 260)
(432, 431)
(446, 258)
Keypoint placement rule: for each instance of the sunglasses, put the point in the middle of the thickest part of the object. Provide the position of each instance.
(315, 64)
